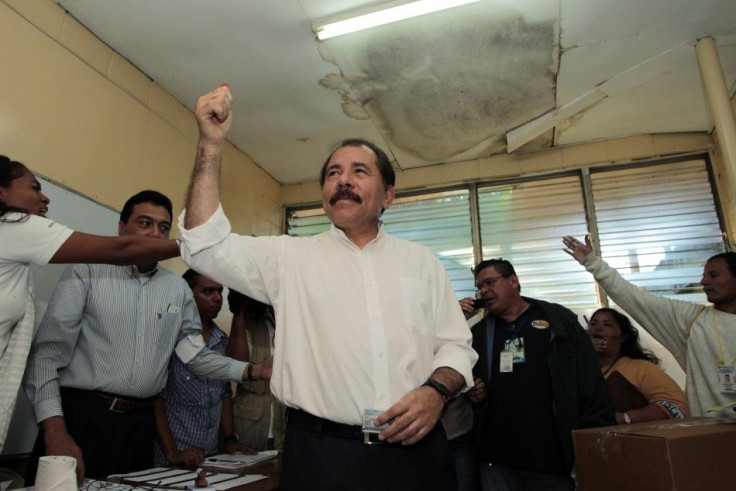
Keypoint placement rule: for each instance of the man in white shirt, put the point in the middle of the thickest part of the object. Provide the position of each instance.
(701, 338)
(367, 324)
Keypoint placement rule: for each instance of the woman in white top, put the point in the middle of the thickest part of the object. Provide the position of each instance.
(28, 237)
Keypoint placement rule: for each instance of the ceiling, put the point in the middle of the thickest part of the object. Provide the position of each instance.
(469, 82)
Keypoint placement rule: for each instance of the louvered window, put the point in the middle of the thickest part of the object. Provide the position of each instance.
(657, 225)
(524, 222)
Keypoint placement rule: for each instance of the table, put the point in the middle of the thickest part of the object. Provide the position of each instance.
(271, 468)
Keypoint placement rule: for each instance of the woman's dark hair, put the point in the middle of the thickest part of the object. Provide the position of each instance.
(630, 346)
(10, 170)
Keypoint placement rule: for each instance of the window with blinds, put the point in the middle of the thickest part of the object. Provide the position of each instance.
(441, 222)
(655, 223)
(524, 223)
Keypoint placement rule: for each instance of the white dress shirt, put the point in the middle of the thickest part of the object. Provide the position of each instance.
(356, 329)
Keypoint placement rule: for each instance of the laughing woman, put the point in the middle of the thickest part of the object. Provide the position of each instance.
(641, 390)
(28, 237)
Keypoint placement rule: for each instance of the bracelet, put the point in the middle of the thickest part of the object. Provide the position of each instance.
(249, 372)
(439, 387)
(627, 418)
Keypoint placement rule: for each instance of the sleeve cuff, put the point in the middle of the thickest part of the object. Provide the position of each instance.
(237, 369)
(455, 362)
(47, 409)
(214, 230)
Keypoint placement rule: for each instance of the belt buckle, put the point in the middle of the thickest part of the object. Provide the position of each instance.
(114, 403)
(371, 438)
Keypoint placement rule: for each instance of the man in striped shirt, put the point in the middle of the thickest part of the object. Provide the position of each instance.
(103, 349)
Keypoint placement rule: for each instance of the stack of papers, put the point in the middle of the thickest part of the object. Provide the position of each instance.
(181, 479)
(239, 459)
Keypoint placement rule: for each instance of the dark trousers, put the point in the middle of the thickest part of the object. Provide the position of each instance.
(496, 477)
(111, 442)
(319, 462)
(465, 455)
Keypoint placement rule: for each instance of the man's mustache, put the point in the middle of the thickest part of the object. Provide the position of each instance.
(345, 193)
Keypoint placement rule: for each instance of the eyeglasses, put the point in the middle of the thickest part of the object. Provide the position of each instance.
(488, 283)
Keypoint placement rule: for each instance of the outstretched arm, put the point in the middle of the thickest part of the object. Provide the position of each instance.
(668, 320)
(214, 117)
(123, 249)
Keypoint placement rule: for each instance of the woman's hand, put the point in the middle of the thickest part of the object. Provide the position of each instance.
(577, 249)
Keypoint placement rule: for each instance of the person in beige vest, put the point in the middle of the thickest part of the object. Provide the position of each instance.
(260, 418)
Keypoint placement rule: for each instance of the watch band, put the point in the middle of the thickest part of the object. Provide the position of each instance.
(439, 387)
(249, 372)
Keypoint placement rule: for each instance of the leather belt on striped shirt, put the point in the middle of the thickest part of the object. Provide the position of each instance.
(111, 402)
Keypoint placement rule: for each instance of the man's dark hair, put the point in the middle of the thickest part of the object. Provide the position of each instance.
(504, 267)
(190, 276)
(237, 301)
(147, 196)
(501, 265)
(382, 161)
(10, 170)
(729, 257)
(630, 347)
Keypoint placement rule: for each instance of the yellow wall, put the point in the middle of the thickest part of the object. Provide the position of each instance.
(78, 113)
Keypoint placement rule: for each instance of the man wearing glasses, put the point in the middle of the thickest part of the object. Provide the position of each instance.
(542, 380)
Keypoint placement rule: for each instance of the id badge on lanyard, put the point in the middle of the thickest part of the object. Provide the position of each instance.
(727, 378)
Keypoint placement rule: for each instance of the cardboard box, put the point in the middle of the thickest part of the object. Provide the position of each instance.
(686, 454)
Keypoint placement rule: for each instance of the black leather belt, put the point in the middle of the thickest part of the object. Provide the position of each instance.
(111, 402)
(297, 418)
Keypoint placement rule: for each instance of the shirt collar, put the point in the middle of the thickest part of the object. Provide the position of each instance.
(133, 270)
(340, 235)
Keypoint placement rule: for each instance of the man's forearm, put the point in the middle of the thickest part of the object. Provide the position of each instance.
(203, 195)
(213, 113)
(226, 419)
(163, 431)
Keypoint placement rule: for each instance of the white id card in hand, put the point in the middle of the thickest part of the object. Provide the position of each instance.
(506, 362)
(727, 378)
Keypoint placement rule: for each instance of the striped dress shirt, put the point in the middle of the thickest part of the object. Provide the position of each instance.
(112, 329)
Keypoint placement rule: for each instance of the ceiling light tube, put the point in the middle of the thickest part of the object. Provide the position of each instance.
(385, 16)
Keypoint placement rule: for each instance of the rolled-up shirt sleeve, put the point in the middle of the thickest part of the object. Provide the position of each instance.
(453, 340)
(203, 236)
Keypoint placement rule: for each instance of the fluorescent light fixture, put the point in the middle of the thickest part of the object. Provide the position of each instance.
(385, 16)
